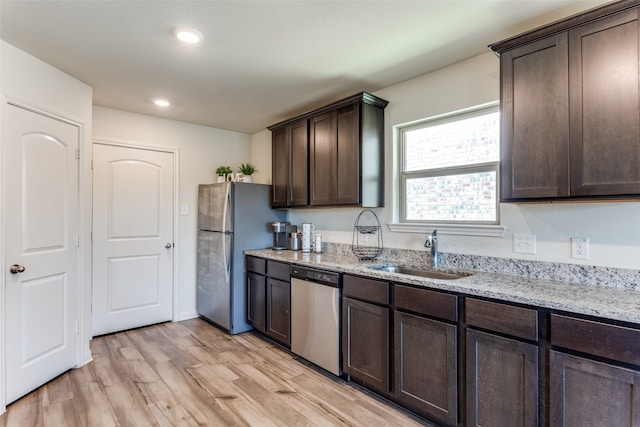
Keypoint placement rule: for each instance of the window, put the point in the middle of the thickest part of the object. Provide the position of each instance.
(449, 169)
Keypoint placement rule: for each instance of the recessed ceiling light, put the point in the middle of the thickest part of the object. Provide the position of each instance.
(187, 35)
(161, 102)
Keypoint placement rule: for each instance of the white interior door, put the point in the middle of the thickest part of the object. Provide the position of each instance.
(41, 239)
(132, 237)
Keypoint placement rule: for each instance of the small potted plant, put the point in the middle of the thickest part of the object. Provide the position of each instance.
(247, 169)
(222, 172)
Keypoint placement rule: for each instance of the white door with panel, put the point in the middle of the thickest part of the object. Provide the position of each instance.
(132, 237)
(41, 247)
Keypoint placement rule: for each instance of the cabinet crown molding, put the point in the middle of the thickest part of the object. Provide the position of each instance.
(562, 25)
(365, 97)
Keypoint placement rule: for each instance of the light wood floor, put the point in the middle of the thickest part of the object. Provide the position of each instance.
(190, 373)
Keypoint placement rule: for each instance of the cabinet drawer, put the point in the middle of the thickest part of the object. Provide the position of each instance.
(376, 291)
(424, 301)
(503, 318)
(600, 339)
(257, 265)
(278, 270)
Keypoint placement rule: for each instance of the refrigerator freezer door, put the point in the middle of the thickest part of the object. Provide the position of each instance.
(214, 277)
(220, 207)
(204, 196)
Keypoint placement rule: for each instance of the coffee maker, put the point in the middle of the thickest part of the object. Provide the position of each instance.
(281, 230)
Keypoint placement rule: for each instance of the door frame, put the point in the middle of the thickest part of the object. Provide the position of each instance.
(175, 152)
(83, 354)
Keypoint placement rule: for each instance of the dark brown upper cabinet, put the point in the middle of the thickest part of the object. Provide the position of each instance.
(339, 160)
(570, 101)
(290, 165)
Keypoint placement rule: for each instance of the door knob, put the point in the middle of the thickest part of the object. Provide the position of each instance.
(168, 245)
(15, 269)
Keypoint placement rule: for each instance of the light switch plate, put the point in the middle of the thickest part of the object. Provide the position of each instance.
(184, 209)
(524, 243)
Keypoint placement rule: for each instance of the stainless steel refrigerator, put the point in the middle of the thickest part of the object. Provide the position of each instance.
(232, 217)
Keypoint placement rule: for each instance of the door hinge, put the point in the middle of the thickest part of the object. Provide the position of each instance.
(77, 154)
(77, 241)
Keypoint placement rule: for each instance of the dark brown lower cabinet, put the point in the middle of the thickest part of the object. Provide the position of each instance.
(256, 298)
(501, 381)
(278, 303)
(589, 393)
(365, 343)
(425, 366)
(269, 298)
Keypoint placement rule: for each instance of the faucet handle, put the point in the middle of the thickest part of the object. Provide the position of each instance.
(429, 242)
(431, 239)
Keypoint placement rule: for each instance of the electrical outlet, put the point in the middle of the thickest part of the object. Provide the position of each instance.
(524, 243)
(579, 248)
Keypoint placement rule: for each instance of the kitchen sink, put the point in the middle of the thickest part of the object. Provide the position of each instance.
(401, 269)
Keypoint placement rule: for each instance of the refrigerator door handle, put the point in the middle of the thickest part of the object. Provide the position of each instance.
(226, 212)
(226, 221)
(227, 256)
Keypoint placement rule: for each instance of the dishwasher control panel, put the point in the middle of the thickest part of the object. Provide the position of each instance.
(321, 276)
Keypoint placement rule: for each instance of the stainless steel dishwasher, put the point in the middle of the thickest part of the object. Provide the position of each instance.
(315, 317)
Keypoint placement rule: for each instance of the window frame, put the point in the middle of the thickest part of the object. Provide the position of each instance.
(403, 175)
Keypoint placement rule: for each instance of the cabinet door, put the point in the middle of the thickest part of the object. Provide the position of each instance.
(256, 293)
(365, 343)
(278, 320)
(588, 393)
(535, 120)
(605, 106)
(290, 148)
(280, 168)
(348, 155)
(426, 366)
(322, 152)
(501, 382)
(299, 166)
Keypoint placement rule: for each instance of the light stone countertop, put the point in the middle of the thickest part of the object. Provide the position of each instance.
(601, 301)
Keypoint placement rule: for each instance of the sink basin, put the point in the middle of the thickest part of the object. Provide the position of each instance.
(400, 269)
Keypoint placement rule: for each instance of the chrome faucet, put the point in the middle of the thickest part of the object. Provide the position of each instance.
(432, 242)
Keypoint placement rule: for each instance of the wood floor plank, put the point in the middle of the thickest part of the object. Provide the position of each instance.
(62, 413)
(318, 415)
(108, 365)
(147, 381)
(129, 405)
(169, 413)
(57, 390)
(24, 415)
(262, 401)
(177, 356)
(83, 376)
(193, 374)
(197, 401)
(147, 347)
(94, 408)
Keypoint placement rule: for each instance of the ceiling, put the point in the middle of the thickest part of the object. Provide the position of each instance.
(260, 61)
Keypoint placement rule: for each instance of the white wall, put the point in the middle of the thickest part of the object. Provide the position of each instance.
(613, 228)
(31, 82)
(261, 156)
(201, 149)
